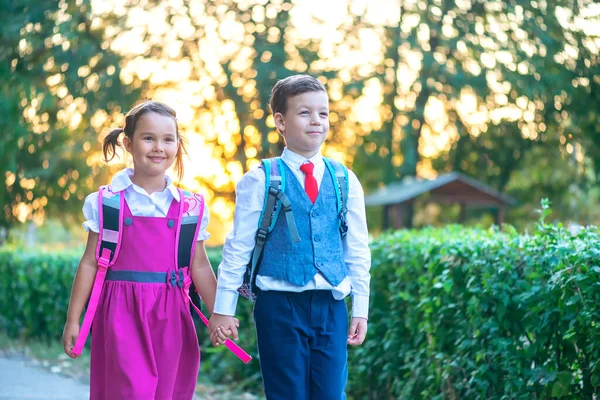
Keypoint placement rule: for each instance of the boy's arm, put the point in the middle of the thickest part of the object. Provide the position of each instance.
(237, 250)
(357, 254)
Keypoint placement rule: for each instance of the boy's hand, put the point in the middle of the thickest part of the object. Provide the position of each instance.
(357, 331)
(70, 333)
(222, 327)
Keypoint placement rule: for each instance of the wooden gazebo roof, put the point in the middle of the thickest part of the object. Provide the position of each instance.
(454, 187)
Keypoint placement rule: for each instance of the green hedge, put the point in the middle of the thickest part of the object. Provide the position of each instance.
(471, 314)
(34, 292)
(35, 287)
(456, 313)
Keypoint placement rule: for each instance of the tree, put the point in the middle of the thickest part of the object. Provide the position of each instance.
(489, 80)
(57, 78)
(216, 63)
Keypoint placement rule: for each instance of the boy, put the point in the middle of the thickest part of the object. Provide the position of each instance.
(301, 318)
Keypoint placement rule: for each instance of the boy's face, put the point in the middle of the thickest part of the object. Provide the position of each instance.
(305, 124)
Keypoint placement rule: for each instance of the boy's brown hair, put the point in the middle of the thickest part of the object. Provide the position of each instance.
(290, 87)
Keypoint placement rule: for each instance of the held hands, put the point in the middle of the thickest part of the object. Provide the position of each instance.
(357, 331)
(222, 327)
(69, 336)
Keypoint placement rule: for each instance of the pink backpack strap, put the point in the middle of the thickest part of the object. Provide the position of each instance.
(93, 302)
(110, 217)
(110, 205)
(191, 211)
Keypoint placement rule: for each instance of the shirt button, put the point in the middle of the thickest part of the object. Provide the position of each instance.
(128, 221)
(317, 238)
(315, 214)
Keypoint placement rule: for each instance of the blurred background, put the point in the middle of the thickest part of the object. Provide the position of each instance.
(504, 93)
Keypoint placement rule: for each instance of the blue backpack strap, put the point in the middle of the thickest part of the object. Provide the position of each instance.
(339, 174)
(275, 201)
(274, 182)
(282, 202)
(110, 222)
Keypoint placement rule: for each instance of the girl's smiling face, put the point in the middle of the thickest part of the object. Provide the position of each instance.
(154, 145)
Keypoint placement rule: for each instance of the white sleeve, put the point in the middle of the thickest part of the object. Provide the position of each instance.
(239, 244)
(357, 254)
(203, 233)
(90, 212)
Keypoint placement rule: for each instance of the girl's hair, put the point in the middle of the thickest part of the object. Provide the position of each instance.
(111, 141)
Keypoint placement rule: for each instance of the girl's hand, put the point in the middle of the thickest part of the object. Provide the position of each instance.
(220, 335)
(70, 333)
(221, 327)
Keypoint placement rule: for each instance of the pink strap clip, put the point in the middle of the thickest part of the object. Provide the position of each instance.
(104, 259)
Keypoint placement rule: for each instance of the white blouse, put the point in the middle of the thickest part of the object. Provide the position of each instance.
(140, 202)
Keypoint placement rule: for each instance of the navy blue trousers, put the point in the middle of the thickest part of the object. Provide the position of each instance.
(302, 345)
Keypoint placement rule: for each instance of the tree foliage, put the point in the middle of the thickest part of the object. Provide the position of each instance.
(496, 89)
(59, 84)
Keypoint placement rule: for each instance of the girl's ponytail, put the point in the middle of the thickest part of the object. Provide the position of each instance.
(110, 144)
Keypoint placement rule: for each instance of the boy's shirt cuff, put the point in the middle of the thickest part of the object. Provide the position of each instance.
(226, 302)
(360, 306)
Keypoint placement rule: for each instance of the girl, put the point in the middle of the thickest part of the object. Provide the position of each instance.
(144, 342)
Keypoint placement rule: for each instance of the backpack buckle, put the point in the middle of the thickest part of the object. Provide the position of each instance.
(343, 222)
(262, 234)
(104, 259)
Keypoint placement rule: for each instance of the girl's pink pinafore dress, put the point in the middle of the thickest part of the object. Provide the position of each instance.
(144, 343)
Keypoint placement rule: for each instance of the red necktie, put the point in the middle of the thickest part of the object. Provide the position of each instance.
(310, 182)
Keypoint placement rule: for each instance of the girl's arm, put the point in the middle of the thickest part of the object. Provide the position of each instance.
(205, 281)
(203, 276)
(80, 293)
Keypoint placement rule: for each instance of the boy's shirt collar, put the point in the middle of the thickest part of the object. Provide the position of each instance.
(122, 180)
(294, 160)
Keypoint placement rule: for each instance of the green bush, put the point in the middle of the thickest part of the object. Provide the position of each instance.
(34, 292)
(456, 313)
(35, 287)
(470, 314)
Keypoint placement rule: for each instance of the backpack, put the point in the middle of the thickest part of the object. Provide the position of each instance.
(110, 215)
(276, 201)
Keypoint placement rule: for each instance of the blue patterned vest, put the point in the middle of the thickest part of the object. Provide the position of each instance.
(320, 248)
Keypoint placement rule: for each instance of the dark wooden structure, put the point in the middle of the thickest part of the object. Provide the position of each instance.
(398, 198)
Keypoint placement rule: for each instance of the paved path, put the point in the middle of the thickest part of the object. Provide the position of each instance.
(19, 380)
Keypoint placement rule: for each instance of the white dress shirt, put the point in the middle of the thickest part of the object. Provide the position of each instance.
(139, 201)
(250, 194)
